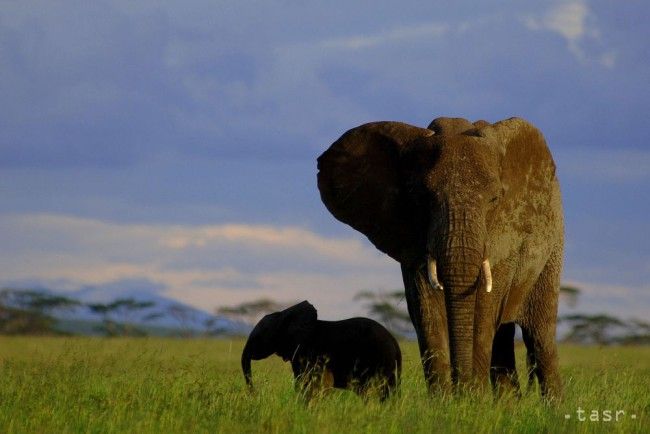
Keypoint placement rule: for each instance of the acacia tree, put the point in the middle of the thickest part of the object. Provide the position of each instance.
(600, 329)
(570, 294)
(30, 312)
(389, 308)
(36, 301)
(250, 312)
(185, 316)
(124, 309)
(109, 326)
(638, 333)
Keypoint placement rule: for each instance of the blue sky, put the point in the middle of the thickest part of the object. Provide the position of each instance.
(172, 145)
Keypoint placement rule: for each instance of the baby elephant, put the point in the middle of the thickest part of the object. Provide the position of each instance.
(355, 353)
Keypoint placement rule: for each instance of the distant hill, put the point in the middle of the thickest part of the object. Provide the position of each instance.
(163, 317)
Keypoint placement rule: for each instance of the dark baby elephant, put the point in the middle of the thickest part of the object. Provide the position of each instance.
(473, 214)
(355, 353)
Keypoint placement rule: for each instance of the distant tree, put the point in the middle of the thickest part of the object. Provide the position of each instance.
(30, 312)
(212, 329)
(124, 309)
(638, 333)
(603, 328)
(389, 308)
(600, 329)
(23, 322)
(37, 301)
(185, 316)
(251, 312)
(127, 308)
(17, 298)
(153, 316)
(570, 294)
(104, 310)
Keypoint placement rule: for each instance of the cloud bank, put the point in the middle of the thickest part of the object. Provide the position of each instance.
(204, 266)
(215, 265)
(110, 84)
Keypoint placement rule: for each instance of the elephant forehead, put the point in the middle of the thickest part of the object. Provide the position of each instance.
(450, 126)
(464, 160)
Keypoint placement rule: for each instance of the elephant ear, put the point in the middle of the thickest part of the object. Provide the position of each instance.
(360, 184)
(262, 340)
(523, 153)
(297, 323)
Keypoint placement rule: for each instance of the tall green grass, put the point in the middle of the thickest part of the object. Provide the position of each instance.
(99, 385)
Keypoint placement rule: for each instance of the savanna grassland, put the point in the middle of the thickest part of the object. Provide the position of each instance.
(145, 385)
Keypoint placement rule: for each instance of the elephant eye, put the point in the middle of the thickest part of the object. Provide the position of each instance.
(494, 199)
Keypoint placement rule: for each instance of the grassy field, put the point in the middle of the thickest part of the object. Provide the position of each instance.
(165, 385)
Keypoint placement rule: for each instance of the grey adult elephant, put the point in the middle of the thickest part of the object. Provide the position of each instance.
(473, 214)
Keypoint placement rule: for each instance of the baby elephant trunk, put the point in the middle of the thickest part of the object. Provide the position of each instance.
(246, 365)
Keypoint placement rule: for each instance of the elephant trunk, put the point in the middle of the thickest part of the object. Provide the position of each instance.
(460, 313)
(246, 364)
(460, 252)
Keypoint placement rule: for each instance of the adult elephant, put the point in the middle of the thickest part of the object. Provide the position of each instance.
(472, 211)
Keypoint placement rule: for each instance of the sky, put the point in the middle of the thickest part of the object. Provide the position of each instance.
(170, 146)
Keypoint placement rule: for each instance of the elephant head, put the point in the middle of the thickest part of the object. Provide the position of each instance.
(278, 333)
(426, 197)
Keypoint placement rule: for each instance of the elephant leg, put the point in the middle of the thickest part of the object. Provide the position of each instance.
(311, 379)
(428, 313)
(539, 323)
(387, 380)
(503, 372)
(530, 358)
(385, 390)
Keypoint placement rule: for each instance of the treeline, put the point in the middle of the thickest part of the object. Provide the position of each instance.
(389, 308)
(43, 313)
(581, 328)
(30, 312)
(605, 329)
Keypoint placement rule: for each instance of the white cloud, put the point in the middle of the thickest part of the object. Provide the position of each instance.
(569, 19)
(397, 34)
(576, 23)
(204, 266)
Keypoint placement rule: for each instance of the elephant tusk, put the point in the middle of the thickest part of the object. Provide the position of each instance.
(488, 275)
(432, 273)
